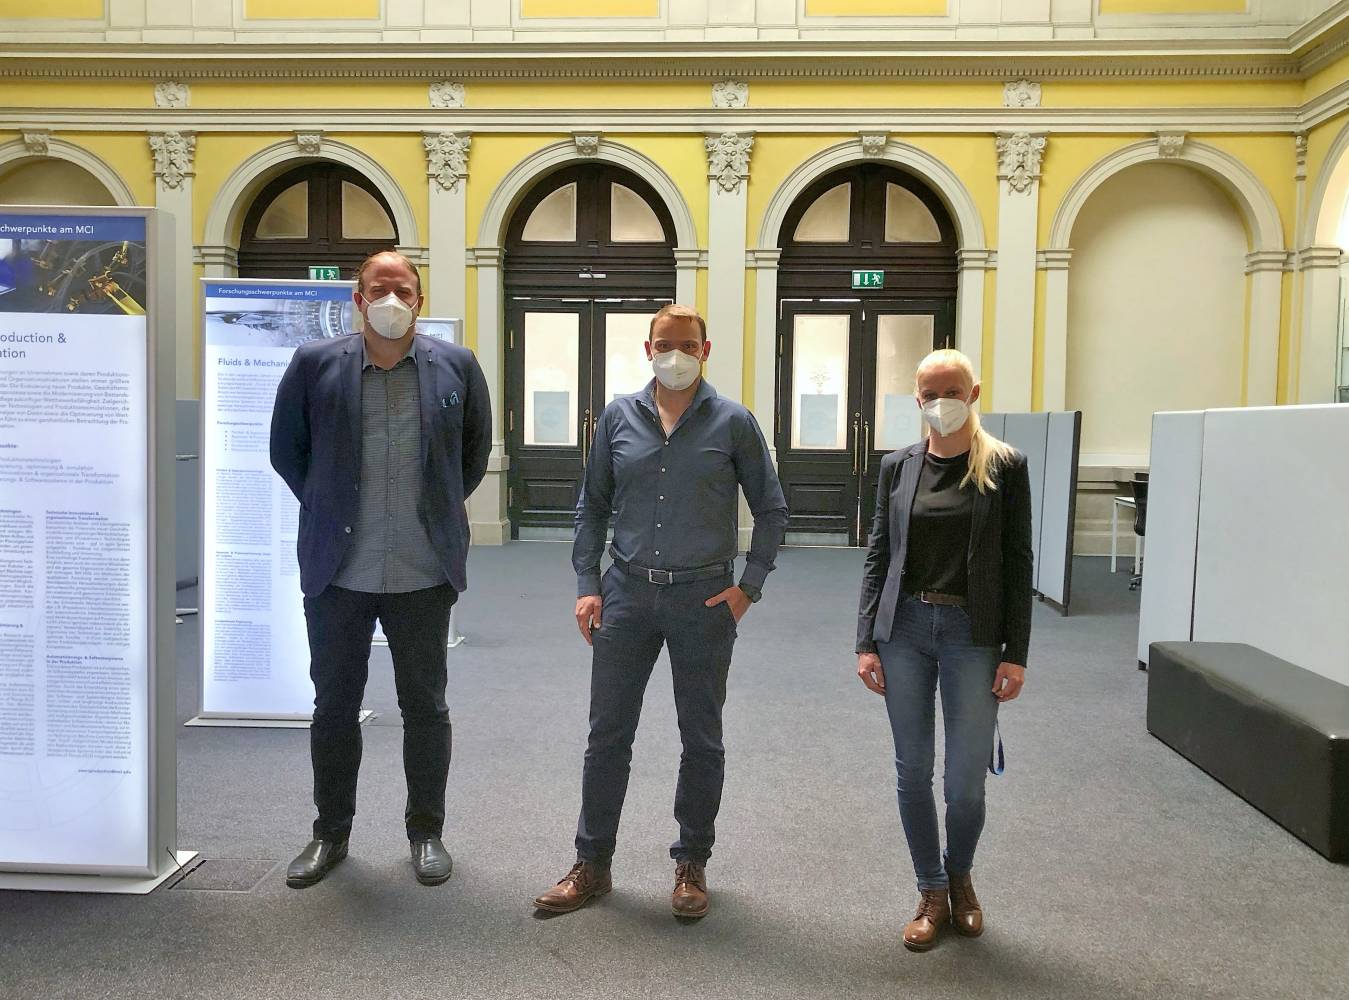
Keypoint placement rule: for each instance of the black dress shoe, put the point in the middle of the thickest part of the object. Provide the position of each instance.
(314, 862)
(431, 861)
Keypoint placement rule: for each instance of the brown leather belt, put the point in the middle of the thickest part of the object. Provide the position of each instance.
(932, 597)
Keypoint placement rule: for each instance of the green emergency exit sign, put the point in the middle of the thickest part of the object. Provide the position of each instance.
(868, 279)
(326, 273)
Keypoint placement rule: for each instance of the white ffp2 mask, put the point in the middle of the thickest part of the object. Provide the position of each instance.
(946, 416)
(389, 317)
(675, 369)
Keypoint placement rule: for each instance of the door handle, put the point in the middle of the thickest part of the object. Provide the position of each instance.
(866, 450)
(856, 443)
(585, 438)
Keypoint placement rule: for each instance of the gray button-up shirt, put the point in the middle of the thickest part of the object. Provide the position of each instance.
(674, 500)
(390, 551)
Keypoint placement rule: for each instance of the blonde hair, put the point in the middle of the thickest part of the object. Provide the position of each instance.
(675, 311)
(987, 453)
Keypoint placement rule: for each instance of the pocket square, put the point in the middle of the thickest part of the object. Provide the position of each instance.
(451, 400)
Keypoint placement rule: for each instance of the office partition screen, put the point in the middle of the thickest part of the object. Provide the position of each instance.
(86, 579)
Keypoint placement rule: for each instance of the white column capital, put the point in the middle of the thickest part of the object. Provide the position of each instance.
(977, 259)
(1020, 155)
(173, 153)
(728, 159)
(759, 259)
(220, 261)
(1314, 257)
(485, 258)
(1054, 260)
(1268, 260)
(446, 158)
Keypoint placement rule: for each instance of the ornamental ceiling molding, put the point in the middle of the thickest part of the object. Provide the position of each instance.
(656, 120)
(627, 62)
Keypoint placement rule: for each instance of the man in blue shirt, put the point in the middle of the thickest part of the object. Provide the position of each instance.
(667, 465)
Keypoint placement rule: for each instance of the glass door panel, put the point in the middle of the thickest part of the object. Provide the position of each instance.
(626, 369)
(552, 374)
(820, 381)
(902, 340)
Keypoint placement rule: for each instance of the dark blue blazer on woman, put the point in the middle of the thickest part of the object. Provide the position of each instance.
(316, 448)
(1000, 555)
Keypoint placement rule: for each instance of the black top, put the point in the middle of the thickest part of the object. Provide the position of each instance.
(939, 528)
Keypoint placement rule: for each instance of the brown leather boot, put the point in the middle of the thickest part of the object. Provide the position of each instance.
(966, 914)
(586, 881)
(934, 909)
(690, 891)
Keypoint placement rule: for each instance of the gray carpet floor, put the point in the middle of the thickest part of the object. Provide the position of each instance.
(1110, 866)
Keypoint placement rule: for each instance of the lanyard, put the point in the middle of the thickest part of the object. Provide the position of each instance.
(997, 760)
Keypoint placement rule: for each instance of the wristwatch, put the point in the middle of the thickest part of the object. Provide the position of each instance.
(751, 591)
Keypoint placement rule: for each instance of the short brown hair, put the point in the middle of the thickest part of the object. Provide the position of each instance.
(360, 271)
(676, 311)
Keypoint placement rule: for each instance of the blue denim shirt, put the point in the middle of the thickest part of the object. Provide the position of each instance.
(674, 500)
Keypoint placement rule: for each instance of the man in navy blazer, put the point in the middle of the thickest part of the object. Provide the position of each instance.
(381, 436)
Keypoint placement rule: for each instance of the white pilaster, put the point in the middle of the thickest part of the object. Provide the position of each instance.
(687, 263)
(974, 262)
(173, 154)
(447, 173)
(728, 168)
(1019, 157)
(1055, 264)
(765, 265)
(1320, 267)
(1266, 270)
(487, 514)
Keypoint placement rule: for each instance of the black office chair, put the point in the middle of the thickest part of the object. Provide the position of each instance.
(1140, 487)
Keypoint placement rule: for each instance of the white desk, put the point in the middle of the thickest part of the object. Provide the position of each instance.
(1129, 504)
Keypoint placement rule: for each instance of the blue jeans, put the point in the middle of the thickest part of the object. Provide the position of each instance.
(931, 645)
(638, 619)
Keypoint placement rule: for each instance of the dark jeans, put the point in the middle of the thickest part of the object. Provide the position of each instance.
(340, 625)
(932, 646)
(638, 618)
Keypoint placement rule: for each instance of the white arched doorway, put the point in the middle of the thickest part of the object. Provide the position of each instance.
(29, 164)
(219, 249)
(1322, 351)
(488, 514)
(973, 254)
(1265, 261)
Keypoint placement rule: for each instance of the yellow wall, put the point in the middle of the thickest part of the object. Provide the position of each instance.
(78, 9)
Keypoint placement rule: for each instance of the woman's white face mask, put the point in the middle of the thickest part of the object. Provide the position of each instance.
(946, 416)
(389, 317)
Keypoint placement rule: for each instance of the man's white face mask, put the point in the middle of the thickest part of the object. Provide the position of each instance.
(389, 317)
(675, 369)
(946, 416)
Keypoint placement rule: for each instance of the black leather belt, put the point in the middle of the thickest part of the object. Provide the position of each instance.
(932, 597)
(665, 577)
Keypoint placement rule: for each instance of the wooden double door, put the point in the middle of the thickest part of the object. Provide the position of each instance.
(566, 359)
(845, 398)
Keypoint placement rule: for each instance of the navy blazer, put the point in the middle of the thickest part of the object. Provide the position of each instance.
(316, 449)
(999, 560)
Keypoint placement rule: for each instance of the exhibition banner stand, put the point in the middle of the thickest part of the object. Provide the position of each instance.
(254, 645)
(87, 760)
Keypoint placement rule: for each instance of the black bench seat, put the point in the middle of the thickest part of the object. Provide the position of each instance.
(1274, 733)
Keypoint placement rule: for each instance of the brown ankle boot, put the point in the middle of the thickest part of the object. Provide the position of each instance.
(966, 914)
(689, 898)
(934, 909)
(584, 882)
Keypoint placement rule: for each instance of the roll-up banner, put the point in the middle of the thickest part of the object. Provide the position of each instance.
(87, 764)
(254, 647)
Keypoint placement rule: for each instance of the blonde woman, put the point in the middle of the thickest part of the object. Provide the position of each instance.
(946, 603)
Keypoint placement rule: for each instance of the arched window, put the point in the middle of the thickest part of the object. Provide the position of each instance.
(320, 214)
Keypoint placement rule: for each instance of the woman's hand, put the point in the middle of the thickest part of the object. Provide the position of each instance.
(1010, 678)
(872, 673)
